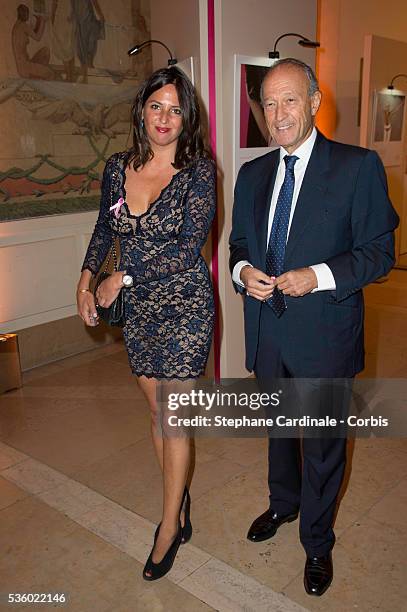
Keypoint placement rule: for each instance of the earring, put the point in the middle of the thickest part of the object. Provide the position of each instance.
(142, 123)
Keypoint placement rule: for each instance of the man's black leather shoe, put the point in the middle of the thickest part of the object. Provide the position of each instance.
(318, 574)
(266, 525)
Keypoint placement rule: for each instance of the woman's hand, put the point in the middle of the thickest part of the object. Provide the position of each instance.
(109, 289)
(85, 300)
(86, 307)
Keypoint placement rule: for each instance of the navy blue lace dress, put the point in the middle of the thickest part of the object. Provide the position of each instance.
(170, 309)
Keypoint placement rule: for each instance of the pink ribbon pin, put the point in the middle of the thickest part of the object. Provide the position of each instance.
(116, 207)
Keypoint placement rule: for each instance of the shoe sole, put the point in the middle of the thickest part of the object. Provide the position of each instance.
(289, 519)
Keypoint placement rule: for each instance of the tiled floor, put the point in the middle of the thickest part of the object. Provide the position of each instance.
(80, 491)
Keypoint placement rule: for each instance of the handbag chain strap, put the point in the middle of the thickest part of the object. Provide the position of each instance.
(113, 247)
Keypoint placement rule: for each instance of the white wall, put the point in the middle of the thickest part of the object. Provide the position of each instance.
(383, 59)
(344, 44)
(40, 261)
(343, 28)
(177, 25)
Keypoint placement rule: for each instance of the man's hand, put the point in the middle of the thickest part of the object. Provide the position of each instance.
(297, 282)
(257, 283)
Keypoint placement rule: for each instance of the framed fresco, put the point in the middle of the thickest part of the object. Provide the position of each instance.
(250, 134)
(66, 91)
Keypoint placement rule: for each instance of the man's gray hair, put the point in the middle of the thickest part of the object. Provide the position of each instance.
(296, 63)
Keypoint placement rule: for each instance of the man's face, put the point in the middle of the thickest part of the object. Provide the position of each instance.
(288, 109)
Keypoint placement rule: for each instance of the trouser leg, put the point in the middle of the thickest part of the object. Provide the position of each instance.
(284, 476)
(324, 462)
(284, 461)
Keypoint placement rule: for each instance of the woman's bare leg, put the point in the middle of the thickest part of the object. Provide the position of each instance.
(173, 454)
(176, 465)
(149, 388)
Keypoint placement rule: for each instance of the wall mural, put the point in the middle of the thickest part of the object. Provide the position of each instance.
(66, 88)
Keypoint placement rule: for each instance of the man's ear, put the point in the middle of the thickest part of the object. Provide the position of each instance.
(315, 102)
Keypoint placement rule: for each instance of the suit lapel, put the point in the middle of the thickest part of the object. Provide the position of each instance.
(310, 204)
(262, 201)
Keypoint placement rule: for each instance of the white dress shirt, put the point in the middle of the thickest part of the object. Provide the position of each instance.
(325, 278)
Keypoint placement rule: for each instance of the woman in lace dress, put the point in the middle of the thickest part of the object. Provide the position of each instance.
(159, 198)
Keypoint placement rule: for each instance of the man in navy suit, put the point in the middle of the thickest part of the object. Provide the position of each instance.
(312, 225)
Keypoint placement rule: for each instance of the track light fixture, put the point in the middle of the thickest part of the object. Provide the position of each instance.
(304, 42)
(134, 50)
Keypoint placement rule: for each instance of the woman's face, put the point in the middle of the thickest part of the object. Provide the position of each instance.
(163, 116)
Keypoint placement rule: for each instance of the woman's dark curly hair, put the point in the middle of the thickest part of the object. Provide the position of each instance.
(190, 145)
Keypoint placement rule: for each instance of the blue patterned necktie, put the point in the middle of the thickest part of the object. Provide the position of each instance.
(278, 235)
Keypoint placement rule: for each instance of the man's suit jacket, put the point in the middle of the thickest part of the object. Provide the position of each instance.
(344, 218)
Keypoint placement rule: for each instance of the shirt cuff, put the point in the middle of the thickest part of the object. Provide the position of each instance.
(237, 269)
(325, 278)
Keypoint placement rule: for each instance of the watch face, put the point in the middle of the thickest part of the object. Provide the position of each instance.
(127, 280)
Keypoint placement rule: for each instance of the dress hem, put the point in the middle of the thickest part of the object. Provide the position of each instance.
(163, 377)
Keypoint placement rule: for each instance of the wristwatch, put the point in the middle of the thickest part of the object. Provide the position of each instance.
(127, 280)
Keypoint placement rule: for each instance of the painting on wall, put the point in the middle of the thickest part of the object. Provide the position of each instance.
(253, 128)
(388, 126)
(66, 90)
(251, 137)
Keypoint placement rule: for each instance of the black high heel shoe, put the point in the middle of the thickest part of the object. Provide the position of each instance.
(187, 528)
(158, 570)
